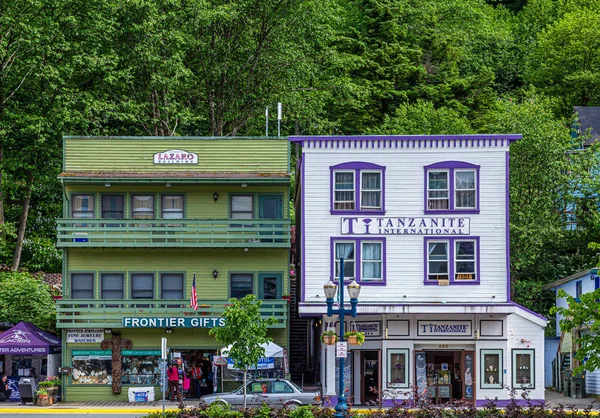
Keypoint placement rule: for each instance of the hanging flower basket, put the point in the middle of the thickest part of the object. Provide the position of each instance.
(354, 337)
(329, 337)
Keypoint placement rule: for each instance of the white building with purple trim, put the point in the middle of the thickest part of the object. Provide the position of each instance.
(422, 224)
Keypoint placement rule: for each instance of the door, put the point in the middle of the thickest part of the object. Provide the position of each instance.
(370, 373)
(269, 286)
(468, 368)
(269, 207)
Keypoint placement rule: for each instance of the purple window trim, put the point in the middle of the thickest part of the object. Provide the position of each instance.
(451, 166)
(507, 214)
(451, 260)
(358, 259)
(302, 227)
(357, 167)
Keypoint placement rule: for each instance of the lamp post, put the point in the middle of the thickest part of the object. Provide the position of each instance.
(330, 289)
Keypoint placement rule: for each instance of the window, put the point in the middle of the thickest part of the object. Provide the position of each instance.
(364, 260)
(91, 367)
(523, 373)
(578, 290)
(171, 286)
(112, 206)
(371, 261)
(452, 260)
(142, 286)
(281, 387)
(491, 369)
(111, 286)
(452, 186)
(172, 206)
(142, 206)
(344, 250)
(82, 286)
(242, 207)
(357, 187)
(270, 286)
(240, 285)
(397, 365)
(82, 206)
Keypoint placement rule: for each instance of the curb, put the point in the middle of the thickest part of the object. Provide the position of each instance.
(106, 411)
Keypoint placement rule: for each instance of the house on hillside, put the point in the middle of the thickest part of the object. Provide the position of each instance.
(422, 224)
(563, 359)
(144, 220)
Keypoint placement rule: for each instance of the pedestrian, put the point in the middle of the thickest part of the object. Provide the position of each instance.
(5, 390)
(173, 377)
(196, 378)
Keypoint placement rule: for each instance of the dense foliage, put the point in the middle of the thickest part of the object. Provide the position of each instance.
(210, 67)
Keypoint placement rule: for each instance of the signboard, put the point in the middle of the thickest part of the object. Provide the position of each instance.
(421, 373)
(371, 329)
(444, 328)
(468, 376)
(341, 349)
(405, 226)
(175, 156)
(263, 363)
(92, 355)
(85, 335)
(154, 322)
(219, 360)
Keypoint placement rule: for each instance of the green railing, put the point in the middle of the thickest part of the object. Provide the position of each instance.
(94, 313)
(162, 233)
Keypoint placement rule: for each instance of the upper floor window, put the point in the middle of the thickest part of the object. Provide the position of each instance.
(452, 186)
(172, 206)
(452, 260)
(364, 259)
(112, 286)
(171, 286)
(142, 286)
(357, 187)
(578, 290)
(113, 206)
(82, 206)
(242, 207)
(82, 285)
(142, 206)
(240, 285)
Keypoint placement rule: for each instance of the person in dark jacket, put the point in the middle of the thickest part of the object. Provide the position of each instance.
(5, 390)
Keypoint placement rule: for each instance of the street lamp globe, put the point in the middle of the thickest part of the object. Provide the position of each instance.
(330, 289)
(353, 289)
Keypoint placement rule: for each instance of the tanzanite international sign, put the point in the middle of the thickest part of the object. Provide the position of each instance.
(405, 226)
(444, 328)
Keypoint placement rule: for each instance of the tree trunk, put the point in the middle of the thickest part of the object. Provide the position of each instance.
(245, 373)
(22, 225)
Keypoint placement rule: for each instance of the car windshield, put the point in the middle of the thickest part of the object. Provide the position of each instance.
(294, 385)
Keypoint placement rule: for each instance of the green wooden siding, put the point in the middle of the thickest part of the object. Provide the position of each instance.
(215, 155)
(200, 261)
(199, 200)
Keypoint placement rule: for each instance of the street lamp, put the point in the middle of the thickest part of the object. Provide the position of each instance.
(330, 289)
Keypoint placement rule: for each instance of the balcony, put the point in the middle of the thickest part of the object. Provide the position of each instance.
(173, 233)
(95, 313)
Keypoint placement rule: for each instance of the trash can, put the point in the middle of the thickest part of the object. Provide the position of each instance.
(567, 387)
(578, 388)
(27, 389)
(141, 394)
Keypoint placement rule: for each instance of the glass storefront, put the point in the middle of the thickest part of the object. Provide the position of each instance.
(140, 367)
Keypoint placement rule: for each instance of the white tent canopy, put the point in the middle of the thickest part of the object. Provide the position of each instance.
(271, 350)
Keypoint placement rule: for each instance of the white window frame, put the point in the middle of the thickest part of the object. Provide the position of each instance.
(456, 189)
(337, 260)
(380, 190)
(353, 190)
(441, 241)
(456, 261)
(362, 260)
(447, 189)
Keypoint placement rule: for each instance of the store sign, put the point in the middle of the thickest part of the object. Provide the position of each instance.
(155, 322)
(370, 329)
(175, 156)
(341, 349)
(444, 328)
(85, 335)
(263, 363)
(92, 355)
(405, 226)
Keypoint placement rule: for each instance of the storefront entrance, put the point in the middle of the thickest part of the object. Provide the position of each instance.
(445, 375)
(369, 371)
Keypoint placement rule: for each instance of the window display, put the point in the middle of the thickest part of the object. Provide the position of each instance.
(523, 369)
(491, 370)
(398, 368)
(92, 367)
(141, 367)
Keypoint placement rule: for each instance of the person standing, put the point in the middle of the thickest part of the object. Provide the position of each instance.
(5, 390)
(173, 378)
(196, 378)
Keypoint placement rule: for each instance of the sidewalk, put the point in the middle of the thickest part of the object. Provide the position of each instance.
(553, 399)
(97, 407)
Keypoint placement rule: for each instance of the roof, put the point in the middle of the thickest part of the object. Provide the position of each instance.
(509, 137)
(570, 278)
(26, 338)
(174, 176)
(589, 117)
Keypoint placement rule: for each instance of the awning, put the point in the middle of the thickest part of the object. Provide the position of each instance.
(26, 339)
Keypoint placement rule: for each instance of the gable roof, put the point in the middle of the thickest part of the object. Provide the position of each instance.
(570, 278)
(589, 117)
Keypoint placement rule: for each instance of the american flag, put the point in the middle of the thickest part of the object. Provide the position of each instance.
(194, 298)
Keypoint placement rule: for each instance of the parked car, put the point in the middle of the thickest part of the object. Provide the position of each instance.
(278, 392)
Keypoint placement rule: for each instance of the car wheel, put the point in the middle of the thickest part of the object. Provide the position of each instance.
(220, 403)
(292, 406)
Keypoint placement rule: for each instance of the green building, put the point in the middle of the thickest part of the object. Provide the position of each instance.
(143, 217)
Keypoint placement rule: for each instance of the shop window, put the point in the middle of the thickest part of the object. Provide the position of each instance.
(242, 207)
(397, 364)
(523, 372)
(142, 286)
(357, 187)
(142, 206)
(171, 286)
(491, 369)
(270, 286)
(82, 285)
(141, 368)
(452, 260)
(113, 206)
(364, 260)
(92, 367)
(111, 285)
(240, 285)
(82, 206)
(172, 206)
(452, 186)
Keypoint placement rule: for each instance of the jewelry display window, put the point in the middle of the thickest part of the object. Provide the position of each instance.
(397, 365)
(523, 373)
(491, 369)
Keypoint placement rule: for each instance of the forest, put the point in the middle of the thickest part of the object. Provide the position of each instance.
(211, 67)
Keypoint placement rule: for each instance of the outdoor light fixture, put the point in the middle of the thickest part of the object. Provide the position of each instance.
(106, 184)
(168, 185)
(330, 289)
(108, 331)
(216, 196)
(215, 274)
(169, 330)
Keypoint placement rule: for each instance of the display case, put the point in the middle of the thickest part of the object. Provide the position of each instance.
(397, 368)
(141, 367)
(491, 369)
(523, 375)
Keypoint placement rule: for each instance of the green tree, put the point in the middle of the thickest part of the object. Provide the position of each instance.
(243, 333)
(25, 298)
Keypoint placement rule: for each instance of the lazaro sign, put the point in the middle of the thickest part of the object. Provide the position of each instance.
(444, 328)
(175, 156)
(154, 322)
(405, 226)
